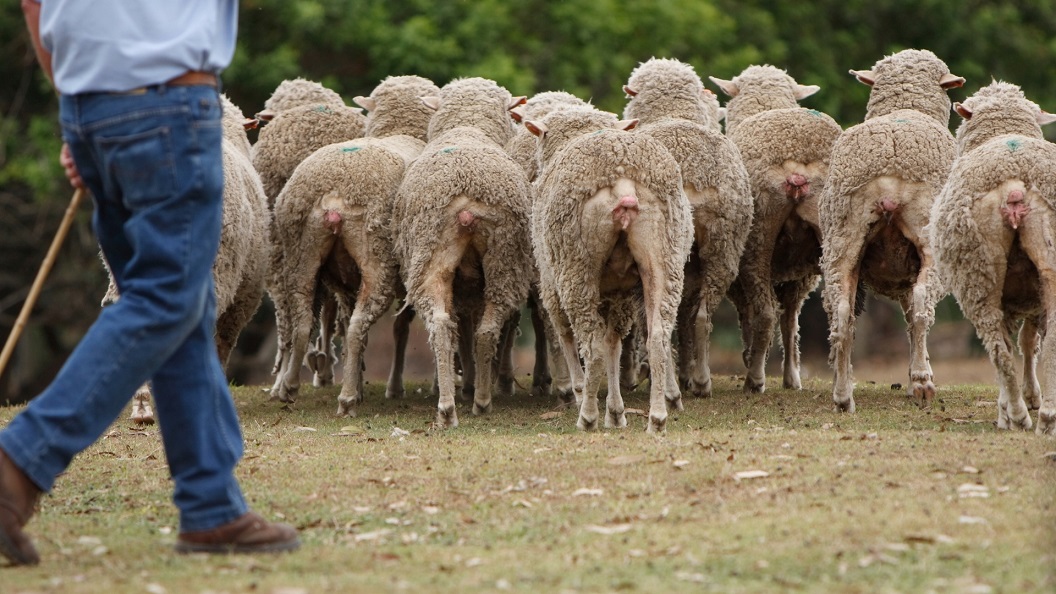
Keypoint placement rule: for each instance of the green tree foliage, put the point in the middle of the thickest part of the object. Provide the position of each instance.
(586, 47)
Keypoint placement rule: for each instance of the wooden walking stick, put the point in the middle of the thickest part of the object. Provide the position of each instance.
(45, 268)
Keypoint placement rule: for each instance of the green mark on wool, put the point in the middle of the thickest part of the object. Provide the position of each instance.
(901, 121)
(449, 149)
(1013, 145)
(322, 109)
(814, 113)
(350, 149)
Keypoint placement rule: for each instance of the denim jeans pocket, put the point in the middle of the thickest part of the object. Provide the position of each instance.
(143, 166)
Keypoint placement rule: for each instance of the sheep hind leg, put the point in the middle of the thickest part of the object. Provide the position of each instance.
(764, 319)
(466, 359)
(700, 375)
(542, 381)
(791, 297)
(594, 368)
(614, 408)
(401, 332)
(320, 356)
(504, 364)
(1029, 341)
(1037, 241)
(486, 341)
(840, 300)
(993, 327)
(918, 321)
(371, 301)
(299, 325)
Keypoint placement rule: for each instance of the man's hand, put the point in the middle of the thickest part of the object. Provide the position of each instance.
(71, 168)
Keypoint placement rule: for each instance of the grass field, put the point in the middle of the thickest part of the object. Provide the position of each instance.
(745, 493)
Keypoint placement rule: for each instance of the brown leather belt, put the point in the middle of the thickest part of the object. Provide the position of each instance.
(193, 77)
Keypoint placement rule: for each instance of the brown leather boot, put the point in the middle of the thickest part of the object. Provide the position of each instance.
(248, 533)
(18, 501)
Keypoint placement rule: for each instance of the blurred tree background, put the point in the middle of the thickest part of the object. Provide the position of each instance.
(586, 47)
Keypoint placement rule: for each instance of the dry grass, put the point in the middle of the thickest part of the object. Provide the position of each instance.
(891, 499)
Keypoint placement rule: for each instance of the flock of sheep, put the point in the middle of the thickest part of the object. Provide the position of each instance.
(623, 235)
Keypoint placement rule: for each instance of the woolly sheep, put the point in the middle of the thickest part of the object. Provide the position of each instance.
(611, 227)
(673, 107)
(884, 176)
(240, 266)
(295, 93)
(992, 230)
(332, 225)
(524, 149)
(298, 131)
(786, 151)
(461, 217)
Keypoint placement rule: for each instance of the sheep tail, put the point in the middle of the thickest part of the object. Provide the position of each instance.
(796, 187)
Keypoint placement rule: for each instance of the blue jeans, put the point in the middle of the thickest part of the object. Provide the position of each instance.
(152, 161)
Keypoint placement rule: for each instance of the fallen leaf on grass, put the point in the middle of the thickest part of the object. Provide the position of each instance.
(626, 460)
(305, 429)
(970, 470)
(686, 576)
(971, 520)
(969, 490)
(680, 464)
(750, 474)
(397, 432)
(609, 530)
(550, 415)
(635, 411)
(1050, 455)
(928, 539)
(375, 535)
(587, 492)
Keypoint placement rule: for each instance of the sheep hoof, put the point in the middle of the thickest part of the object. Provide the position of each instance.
(699, 390)
(1033, 398)
(615, 419)
(675, 402)
(446, 417)
(1046, 423)
(923, 392)
(585, 424)
(481, 409)
(567, 396)
(657, 424)
(467, 393)
(1008, 418)
(283, 394)
(394, 393)
(846, 406)
(320, 381)
(753, 385)
(792, 383)
(346, 408)
(142, 414)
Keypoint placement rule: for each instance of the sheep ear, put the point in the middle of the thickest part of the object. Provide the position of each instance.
(706, 93)
(804, 91)
(951, 81)
(368, 103)
(265, 116)
(514, 102)
(864, 76)
(1046, 118)
(250, 124)
(727, 86)
(537, 128)
(962, 111)
(629, 91)
(358, 110)
(722, 114)
(627, 125)
(517, 113)
(431, 102)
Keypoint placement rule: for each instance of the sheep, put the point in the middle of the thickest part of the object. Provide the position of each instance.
(462, 240)
(884, 176)
(332, 226)
(993, 227)
(295, 93)
(299, 130)
(241, 261)
(611, 227)
(524, 149)
(786, 151)
(672, 106)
